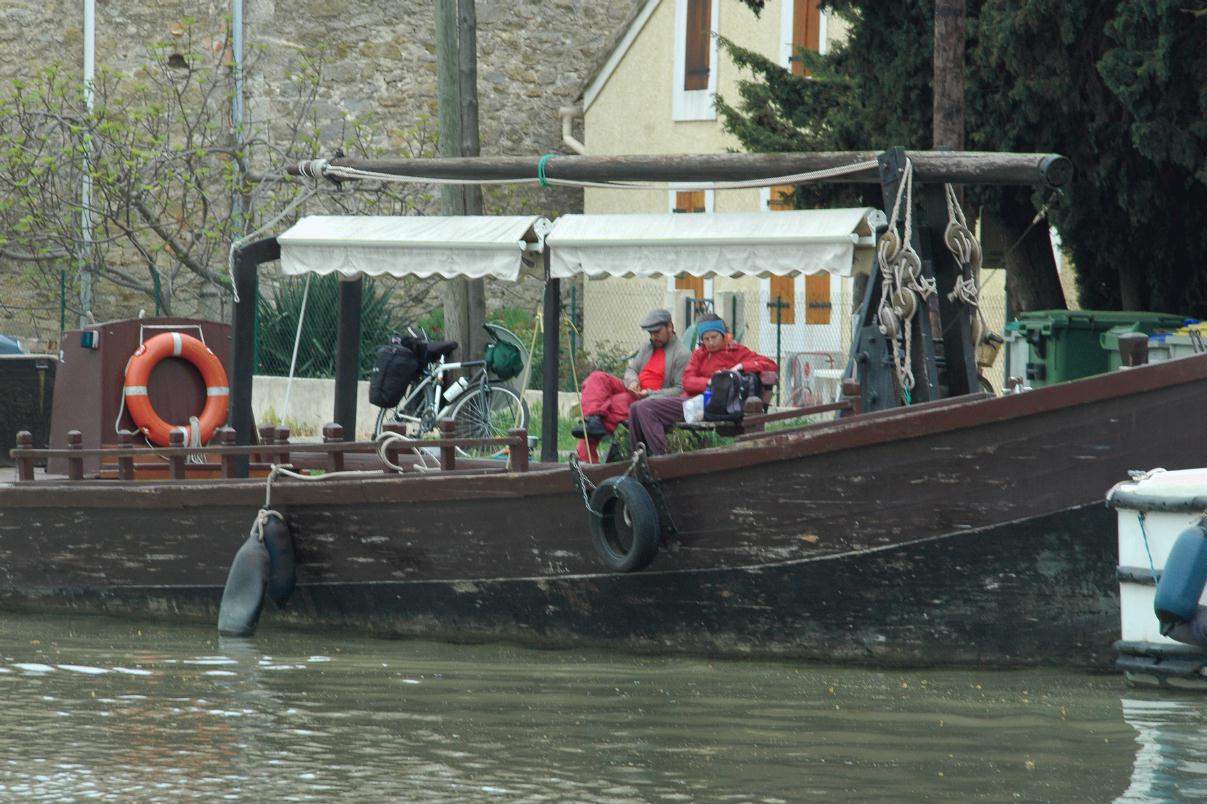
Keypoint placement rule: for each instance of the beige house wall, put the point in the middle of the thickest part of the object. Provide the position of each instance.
(631, 114)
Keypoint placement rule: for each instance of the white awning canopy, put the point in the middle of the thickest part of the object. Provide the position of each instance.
(472, 246)
(720, 244)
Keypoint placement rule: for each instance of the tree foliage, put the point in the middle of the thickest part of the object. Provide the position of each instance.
(1116, 86)
(174, 180)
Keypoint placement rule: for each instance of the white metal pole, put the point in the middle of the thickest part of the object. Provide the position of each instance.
(85, 273)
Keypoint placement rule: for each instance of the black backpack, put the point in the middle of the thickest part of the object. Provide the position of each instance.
(395, 368)
(729, 390)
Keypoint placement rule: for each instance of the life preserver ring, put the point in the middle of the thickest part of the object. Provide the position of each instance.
(624, 529)
(138, 372)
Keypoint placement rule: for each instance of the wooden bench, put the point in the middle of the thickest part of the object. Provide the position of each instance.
(756, 418)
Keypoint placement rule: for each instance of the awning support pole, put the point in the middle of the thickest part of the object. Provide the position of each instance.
(347, 355)
(553, 326)
(243, 332)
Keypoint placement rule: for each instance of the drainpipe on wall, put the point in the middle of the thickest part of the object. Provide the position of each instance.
(568, 114)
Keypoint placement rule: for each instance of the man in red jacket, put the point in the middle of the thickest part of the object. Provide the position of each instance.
(649, 418)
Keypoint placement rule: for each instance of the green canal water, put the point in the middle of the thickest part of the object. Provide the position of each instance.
(96, 708)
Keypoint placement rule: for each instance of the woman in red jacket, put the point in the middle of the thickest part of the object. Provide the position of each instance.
(649, 418)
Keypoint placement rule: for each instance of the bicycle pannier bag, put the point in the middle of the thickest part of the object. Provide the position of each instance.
(395, 368)
(729, 390)
(504, 360)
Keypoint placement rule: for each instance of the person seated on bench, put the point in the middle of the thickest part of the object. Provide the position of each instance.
(650, 418)
(654, 371)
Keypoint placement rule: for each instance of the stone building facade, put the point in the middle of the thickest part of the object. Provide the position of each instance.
(379, 61)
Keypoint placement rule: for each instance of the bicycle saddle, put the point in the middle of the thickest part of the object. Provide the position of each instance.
(439, 349)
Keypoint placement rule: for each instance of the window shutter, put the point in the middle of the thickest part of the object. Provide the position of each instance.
(817, 299)
(690, 201)
(780, 197)
(806, 31)
(783, 292)
(699, 42)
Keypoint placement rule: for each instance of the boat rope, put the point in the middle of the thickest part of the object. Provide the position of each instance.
(903, 286)
(262, 519)
(321, 167)
(578, 390)
(280, 470)
(964, 246)
(386, 439)
(1151, 567)
(237, 244)
(194, 434)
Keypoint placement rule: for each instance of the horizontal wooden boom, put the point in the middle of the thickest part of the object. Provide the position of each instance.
(957, 167)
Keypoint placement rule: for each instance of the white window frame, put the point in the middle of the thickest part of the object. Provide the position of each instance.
(787, 18)
(695, 104)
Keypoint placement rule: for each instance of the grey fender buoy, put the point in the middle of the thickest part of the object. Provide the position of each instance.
(282, 573)
(243, 596)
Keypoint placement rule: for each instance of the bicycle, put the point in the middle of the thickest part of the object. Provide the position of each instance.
(481, 409)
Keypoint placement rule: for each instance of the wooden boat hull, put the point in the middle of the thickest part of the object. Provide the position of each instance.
(956, 534)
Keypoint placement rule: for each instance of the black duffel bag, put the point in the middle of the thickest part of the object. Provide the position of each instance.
(728, 393)
(395, 368)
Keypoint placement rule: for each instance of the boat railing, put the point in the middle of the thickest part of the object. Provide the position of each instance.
(332, 452)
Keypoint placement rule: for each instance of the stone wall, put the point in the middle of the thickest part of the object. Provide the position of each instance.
(379, 64)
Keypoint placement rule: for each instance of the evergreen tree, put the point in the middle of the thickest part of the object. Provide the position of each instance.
(1118, 86)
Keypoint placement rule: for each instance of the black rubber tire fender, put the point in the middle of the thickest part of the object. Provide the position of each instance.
(612, 499)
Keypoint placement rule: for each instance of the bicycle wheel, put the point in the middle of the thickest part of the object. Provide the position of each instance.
(488, 413)
(411, 414)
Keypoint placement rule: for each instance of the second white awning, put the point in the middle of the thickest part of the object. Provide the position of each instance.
(720, 244)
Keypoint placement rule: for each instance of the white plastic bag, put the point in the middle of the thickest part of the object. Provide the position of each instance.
(693, 408)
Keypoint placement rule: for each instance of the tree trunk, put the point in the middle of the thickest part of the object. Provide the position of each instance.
(948, 105)
(1033, 282)
(456, 56)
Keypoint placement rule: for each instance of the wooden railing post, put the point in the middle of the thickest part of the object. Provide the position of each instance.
(519, 450)
(75, 466)
(448, 455)
(125, 463)
(333, 433)
(392, 451)
(753, 406)
(176, 468)
(25, 465)
(267, 437)
(226, 438)
(282, 439)
(851, 393)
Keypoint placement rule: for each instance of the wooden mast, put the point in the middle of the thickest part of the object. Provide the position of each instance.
(957, 167)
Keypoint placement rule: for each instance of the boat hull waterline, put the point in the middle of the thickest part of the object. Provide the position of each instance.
(958, 534)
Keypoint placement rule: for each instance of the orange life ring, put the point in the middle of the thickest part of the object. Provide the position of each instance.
(144, 361)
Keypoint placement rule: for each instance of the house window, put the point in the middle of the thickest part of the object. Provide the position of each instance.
(817, 286)
(817, 299)
(783, 299)
(697, 46)
(690, 201)
(779, 197)
(806, 30)
(695, 77)
(802, 25)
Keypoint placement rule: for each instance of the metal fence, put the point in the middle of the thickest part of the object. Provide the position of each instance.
(599, 328)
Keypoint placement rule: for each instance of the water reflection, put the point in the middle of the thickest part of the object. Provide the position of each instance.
(1171, 759)
(95, 707)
